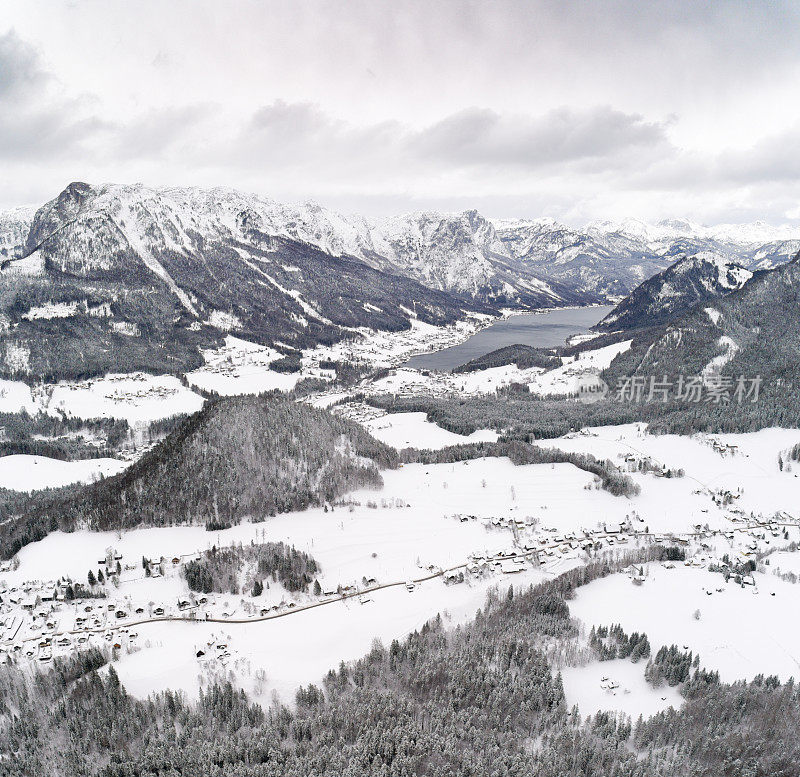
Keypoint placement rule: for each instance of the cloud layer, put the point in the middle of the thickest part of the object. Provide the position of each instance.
(579, 111)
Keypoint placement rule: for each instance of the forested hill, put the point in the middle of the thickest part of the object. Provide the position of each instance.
(524, 356)
(752, 332)
(701, 278)
(236, 458)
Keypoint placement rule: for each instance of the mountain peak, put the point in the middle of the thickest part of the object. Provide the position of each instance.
(702, 277)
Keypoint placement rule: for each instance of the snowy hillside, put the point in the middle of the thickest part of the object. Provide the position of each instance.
(14, 226)
(703, 277)
(125, 278)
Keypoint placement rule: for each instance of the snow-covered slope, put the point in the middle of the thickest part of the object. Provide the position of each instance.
(612, 258)
(14, 226)
(752, 332)
(462, 252)
(124, 278)
(700, 278)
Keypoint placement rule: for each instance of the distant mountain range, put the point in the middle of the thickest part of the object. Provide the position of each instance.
(117, 278)
(611, 259)
(700, 278)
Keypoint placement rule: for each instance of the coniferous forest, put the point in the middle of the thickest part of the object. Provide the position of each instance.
(238, 458)
(481, 699)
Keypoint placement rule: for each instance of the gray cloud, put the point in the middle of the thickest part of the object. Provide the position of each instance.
(581, 110)
(156, 133)
(479, 136)
(35, 121)
(301, 133)
(20, 69)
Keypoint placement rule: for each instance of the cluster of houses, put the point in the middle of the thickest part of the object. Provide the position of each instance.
(543, 543)
(722, 448)
(358, 412)
(393, 348)
(36, 621)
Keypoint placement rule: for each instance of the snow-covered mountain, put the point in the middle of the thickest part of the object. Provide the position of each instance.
(612, 258)
(120, 278)
(105, 272)
(752, 332)
(14, 226)
(700, 278)
(607, 264)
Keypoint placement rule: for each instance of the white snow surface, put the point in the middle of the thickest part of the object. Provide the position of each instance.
(407, 430)
(21, 472)
(741, 631)
(634, 696)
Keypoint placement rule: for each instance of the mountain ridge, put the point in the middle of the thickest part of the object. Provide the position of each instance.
(703, 277)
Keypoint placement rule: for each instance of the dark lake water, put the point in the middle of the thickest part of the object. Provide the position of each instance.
(543, 330)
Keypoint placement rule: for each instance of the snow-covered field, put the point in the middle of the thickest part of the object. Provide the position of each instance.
(136, 397)
(400, 533)
(299, 649)
(588, 687)
(568, 378)
(241, 367)
(747, 468)
(433, 517)
(411, 524)
(404, 430)
(740, 632)
(16, 396)
(30, 473)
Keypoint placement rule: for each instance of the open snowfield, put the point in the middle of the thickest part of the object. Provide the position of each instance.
(300, 648)
(567, 378)
(741, 632)
(634, 696)
(30, 473)
(241, 367)
(404, 430)
(783, 563)
(16, 396)
(138, 398)
(671, 504)
(344, 541)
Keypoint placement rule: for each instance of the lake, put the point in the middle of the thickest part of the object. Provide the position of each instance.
(542, 330)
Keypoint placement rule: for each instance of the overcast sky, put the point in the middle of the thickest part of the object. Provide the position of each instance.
(576, 110)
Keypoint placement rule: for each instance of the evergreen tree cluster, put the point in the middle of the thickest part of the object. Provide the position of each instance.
(670, 665)
(60, 436)
(611, 642)
(244, 568)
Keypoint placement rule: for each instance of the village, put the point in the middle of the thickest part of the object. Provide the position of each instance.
(41, 619)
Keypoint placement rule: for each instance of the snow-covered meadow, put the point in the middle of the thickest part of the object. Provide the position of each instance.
(30, 473)
(739, 631)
